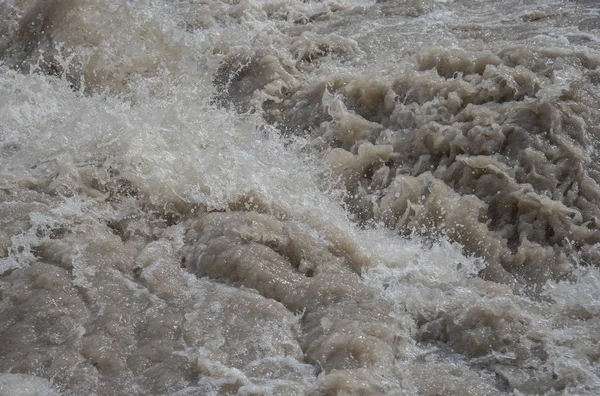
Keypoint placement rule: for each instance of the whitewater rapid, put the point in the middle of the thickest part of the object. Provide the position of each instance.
(282, 197)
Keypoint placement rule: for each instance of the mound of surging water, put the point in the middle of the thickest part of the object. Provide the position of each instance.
(282, 197)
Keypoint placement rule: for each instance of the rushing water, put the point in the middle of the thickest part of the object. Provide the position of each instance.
(283, 197)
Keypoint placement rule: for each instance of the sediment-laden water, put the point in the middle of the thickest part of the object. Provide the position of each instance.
(251, 197)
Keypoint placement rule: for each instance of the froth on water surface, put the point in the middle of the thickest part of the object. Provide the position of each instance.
(293, 198)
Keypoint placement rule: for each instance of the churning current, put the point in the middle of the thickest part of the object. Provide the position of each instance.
(285, 197)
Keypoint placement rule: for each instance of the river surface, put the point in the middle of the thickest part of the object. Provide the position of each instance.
(283, 197)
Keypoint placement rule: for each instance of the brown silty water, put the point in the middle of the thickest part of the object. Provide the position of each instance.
(299, 198)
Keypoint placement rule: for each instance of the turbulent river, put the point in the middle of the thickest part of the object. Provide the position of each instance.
(284, 197)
